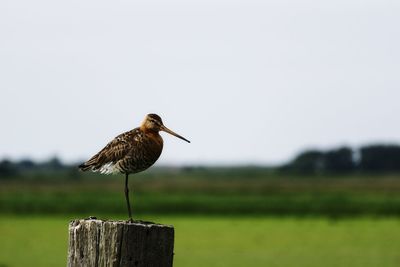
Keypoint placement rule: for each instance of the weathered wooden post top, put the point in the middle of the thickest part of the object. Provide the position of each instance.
(95, 242)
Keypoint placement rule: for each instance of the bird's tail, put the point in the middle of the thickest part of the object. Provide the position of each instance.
(84, 167)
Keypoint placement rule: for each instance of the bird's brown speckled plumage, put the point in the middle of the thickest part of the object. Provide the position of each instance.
(131, 152)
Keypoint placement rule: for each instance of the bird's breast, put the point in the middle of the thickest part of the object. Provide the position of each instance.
(154, 145)
(147, 148)
(155, 139)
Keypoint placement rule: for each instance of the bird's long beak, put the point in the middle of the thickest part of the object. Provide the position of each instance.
(165, 129)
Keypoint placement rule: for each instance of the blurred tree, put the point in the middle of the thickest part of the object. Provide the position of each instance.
(7, 169)
(339, 160)
(311, 161)
(53, 164)
(25, 164)
(380, 158)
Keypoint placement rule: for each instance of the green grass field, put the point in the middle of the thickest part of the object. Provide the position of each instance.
(223, 218)
(180, 194)
(225, 241)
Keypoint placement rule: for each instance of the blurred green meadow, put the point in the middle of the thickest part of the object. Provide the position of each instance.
(222, 216)
(209, 191)
(226, 241)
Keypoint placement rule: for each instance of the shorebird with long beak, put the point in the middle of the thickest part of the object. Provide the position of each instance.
(131, 152)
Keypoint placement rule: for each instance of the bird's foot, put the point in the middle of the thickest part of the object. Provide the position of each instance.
(130, 220)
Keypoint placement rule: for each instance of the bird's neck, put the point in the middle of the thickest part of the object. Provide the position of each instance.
(147, 130)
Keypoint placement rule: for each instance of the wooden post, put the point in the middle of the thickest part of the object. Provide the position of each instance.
(119, 243)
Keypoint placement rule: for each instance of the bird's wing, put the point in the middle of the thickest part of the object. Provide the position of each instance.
(114, 151)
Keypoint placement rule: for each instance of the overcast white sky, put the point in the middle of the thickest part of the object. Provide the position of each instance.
(245, 81)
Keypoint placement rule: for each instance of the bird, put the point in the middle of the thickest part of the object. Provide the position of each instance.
(131, 152)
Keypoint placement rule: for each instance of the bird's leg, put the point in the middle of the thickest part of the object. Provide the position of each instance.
(127, 197)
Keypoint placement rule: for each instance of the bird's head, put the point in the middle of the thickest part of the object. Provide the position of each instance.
(153, 123)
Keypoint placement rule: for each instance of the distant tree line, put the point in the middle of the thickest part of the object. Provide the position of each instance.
(14, 168)
(372, 158)
(375, 158)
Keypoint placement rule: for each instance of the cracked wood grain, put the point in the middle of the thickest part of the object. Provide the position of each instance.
(119, 243)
